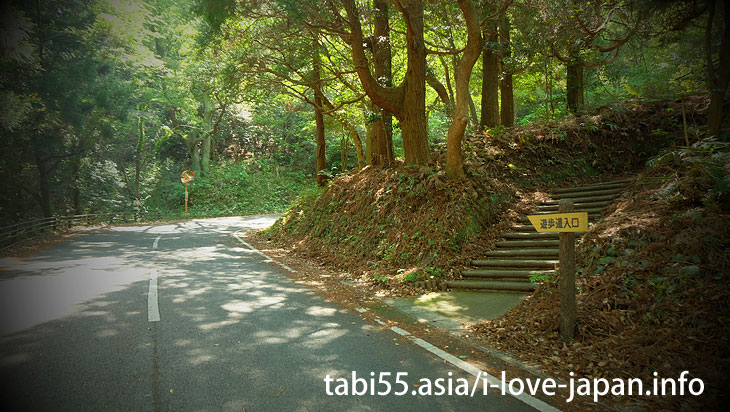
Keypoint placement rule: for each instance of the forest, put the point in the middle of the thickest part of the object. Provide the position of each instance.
(396, 141)
(106, 102)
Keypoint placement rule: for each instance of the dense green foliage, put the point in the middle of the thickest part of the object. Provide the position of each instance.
(231, 188)
(106, 103)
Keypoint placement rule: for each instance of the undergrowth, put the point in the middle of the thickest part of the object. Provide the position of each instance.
(653, 283)
(231, 188)
(403, 223)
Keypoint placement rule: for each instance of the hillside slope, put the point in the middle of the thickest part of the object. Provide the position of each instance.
(653, 281)
(404, 223)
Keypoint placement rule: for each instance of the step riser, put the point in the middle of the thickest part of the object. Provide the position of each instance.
(527, 243)
(517, 263)
(589, 211)
(496, 279)
(523, 228)
(586, 199)
(531, 236)
(623, 182)
(612, 192)
(588, 188)
(502, 274)
(523, 253)
(487, 285)
(578, 206)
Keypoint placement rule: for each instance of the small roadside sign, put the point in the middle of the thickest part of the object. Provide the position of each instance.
(560, 222)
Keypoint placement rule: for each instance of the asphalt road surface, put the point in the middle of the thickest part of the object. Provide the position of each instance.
(81, 330)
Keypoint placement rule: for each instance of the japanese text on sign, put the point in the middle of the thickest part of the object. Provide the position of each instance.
(560, 222)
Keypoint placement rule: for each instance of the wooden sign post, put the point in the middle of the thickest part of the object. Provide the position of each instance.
(186, 178)
(566, 223)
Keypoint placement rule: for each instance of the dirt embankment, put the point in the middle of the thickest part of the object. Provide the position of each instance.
(653, 282)
(404, 223)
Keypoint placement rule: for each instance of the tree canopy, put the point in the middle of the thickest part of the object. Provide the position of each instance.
(106, 102)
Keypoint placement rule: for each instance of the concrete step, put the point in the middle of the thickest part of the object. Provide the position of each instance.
(578, 206)
(610, 182)
(527, 243)
(547, 212)
(598, 192)
(502, 273)
(522, 228)
(588, 188)
(553, 253)
(531, 236)
(491, 285)
(518, 263)
(584, 199)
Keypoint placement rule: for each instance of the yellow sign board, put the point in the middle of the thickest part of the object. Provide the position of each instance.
(560, 222)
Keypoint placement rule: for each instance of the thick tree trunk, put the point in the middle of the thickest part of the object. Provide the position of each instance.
(574, 84)
(205, 155)
(507, 114)
(195, 157)
(719, 78)
(351, 131)
(357, 142)
(377, 150)
(321, 160)
(474, 118)
(408, 100)
(490, 80)
(383, 72)
(413, 114)
(318, 116)
(462, 75)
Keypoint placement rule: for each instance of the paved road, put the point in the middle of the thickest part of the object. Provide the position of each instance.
(233, 332)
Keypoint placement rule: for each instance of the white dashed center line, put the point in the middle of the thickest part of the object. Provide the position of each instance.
(153, 310)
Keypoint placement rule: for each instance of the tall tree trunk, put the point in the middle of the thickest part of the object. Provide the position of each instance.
(195, 157)
(490, 80)
(474, 118)
(351, 131)
(505, 86)
(384, 73)
(344, 153)
(407, 101)
(413, 114)
(720, 77)
(462, 75)
(357, 142)
(377, 151)
(574, 83)
(318, 116)
(205, 154)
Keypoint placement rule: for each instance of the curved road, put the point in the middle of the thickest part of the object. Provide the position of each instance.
(81, 330)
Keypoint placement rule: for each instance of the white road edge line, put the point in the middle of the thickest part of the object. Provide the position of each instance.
(473, 370)
(153, 310)
(268, 259)
(156, 242)
(463, 365)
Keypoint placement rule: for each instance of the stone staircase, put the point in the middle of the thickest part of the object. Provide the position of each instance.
(524, 251)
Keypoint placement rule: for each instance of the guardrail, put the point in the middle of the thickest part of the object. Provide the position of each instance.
(17, 233)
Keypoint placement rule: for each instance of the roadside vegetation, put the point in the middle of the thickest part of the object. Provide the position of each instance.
(398, 139)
